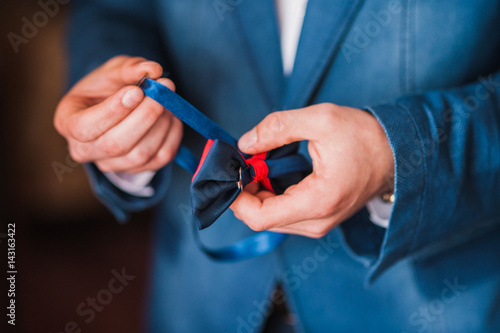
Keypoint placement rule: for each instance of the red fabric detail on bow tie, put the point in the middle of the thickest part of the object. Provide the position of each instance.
(261, 170)
(257, 162)
(208, 145)
(259, 166)
(267, 184)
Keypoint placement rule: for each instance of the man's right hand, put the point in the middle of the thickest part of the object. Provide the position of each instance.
(106, 119)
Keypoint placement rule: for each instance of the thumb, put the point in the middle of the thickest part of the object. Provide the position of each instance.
(84, 122)
(278, 129)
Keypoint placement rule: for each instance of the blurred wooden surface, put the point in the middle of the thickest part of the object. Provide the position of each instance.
(67, 243)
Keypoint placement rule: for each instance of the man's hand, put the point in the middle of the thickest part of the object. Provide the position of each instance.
(106, 119)
(352, 162)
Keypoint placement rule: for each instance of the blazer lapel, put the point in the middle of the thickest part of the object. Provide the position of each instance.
(258, 23)
(325, 25)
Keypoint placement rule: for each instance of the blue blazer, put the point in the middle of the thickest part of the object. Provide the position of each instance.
(427, 70)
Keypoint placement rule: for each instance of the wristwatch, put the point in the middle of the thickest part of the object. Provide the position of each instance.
(388, 197)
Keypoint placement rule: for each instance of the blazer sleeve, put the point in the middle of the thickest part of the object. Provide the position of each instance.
(446, 146)
(98, 31)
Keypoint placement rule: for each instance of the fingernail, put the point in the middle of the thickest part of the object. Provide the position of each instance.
(248, 139)
(131, 98)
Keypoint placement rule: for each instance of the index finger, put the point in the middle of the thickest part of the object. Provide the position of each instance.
(89, 123)
(117, 72)
(104, 97)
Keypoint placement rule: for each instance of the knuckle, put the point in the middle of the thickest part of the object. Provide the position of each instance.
(322, 231)
(118, 60)
(103, 125)
(317, 235)
(177, 127)
(318, 231)
(264, 132)
(76, 154)
(272, 126)
(139, 157)
(58, 121)
(75, 129)
(59, 126)
(104, 167)
(167, 83)
(165, 155)
(79, 131)
(166, 118)
(324, 209)
(152, 113)
(333, 205)
(135, 59)
(318, 212)
(157, 69)
(153, 68)
(111, 147)
(326, 107)
(327, 113)
(276, 121)
(256, 225)
(236, 211)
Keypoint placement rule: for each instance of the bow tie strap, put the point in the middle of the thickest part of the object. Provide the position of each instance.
(187, 113)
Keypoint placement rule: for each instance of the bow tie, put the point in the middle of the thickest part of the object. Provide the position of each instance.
(224, 171)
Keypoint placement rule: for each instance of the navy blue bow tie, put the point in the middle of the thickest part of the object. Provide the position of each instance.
(224, 171)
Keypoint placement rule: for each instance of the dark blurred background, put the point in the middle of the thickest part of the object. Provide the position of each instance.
(67, 244)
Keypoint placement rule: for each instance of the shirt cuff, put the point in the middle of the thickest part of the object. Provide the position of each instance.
(380, 211)
(135, 184)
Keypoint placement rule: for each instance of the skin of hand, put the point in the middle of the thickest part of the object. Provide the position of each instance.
(107, 120)
(352, 163)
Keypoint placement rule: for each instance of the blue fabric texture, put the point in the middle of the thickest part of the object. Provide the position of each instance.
(428, 71)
